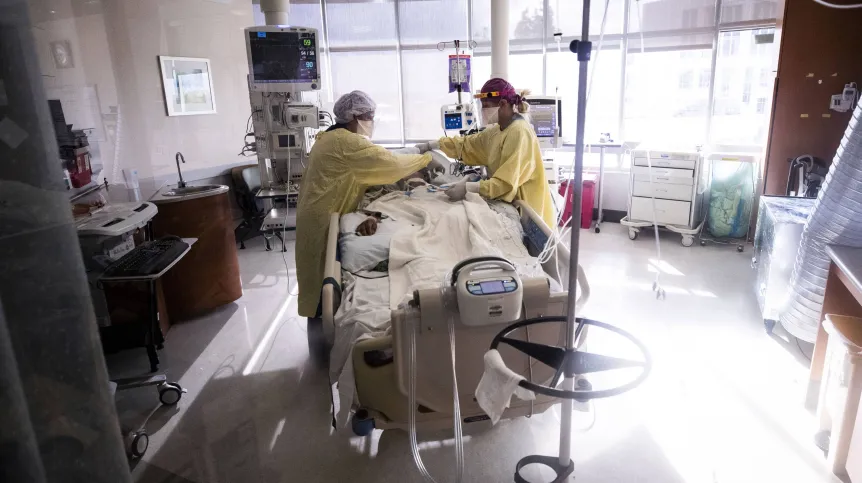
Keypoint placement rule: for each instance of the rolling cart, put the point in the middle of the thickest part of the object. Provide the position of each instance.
(170, 393)
(664, 191)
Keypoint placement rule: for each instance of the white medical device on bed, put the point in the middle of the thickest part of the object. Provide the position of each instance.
(489, 292)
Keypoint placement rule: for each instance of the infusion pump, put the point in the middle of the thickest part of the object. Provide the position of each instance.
(458, 117)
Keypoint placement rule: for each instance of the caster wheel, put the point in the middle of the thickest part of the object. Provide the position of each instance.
(633, 234)
(583, 384)
(598, 230)
(361, 423)
(687, 241)
(740, 248)
(137, 443)
(317, 342)
(702, 243)
(769, 325)
(170, 393)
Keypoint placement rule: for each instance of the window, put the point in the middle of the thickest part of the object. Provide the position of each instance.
(689, 18)
(765, 77)
(686, 79)
(410, 87)
(377, 74)
(431, 21)
(526, 20)
(568, 19)
(728, 43)
(764, 10)
(731, 13)
(425, 78)
(361, 23)
(664, 15)
(703, 78)
(736, 120)
(525, 71)
(659, 111)
(603, 105)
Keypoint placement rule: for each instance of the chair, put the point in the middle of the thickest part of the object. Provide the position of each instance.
(246, 183)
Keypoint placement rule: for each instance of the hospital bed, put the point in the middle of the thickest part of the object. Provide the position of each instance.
(380, 364)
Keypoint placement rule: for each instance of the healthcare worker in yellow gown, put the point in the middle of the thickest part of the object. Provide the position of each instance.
(341, 165)
(509, 149)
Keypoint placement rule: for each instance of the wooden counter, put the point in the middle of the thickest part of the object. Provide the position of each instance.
(208, 277)
(843, 296)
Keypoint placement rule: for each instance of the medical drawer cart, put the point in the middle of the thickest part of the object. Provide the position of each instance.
(670, 198)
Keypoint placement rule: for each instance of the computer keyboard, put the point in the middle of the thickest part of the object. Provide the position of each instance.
(148, 258)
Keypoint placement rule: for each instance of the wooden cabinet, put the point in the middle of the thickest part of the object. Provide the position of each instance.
(208, 277)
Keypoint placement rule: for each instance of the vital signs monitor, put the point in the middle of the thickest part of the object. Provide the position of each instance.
(282, 58)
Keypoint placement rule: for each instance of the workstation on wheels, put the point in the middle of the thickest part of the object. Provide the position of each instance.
(432, 240)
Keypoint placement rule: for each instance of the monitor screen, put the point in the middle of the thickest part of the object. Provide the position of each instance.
(491, 287)
(544, 115)
(452, 121)
(286, 141)
(283, 57)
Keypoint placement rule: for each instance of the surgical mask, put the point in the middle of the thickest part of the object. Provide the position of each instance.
(489, 115)
(365, 128)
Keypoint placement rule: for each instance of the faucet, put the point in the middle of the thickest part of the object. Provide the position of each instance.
(179, 157)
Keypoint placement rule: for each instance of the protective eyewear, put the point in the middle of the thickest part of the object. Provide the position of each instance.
(483, 95)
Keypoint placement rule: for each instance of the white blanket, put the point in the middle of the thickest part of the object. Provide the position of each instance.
(444, 234)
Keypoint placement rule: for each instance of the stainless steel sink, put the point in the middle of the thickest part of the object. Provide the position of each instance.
(192, 190)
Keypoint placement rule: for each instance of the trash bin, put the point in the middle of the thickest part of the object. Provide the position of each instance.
(588, 196)
(840, 388)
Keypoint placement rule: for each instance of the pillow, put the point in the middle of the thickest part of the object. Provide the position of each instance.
(363, 252)
(349, 222)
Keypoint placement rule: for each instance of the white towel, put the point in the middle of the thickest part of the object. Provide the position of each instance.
(498, 383)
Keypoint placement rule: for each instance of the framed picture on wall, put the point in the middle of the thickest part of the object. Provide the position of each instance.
(188, 86)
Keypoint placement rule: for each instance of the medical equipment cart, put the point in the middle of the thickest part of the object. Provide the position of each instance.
(664, 190)
(170, 393)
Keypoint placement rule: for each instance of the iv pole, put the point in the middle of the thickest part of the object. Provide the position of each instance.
(569, 361)
(583, 48)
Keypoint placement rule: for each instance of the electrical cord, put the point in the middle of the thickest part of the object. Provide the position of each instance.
(838, 5)
(656, 285)
(356, 274)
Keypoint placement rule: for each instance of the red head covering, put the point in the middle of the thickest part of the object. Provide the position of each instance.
(504, 88)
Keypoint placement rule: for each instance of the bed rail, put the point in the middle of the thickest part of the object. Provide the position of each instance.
(330, 294)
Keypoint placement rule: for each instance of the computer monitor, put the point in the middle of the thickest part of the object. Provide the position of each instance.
(283, 59)
(546, 116)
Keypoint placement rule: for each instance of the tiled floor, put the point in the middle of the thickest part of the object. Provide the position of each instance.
(723, 403)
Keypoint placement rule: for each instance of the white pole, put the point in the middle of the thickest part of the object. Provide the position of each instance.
(275, 11)
(500, 39)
